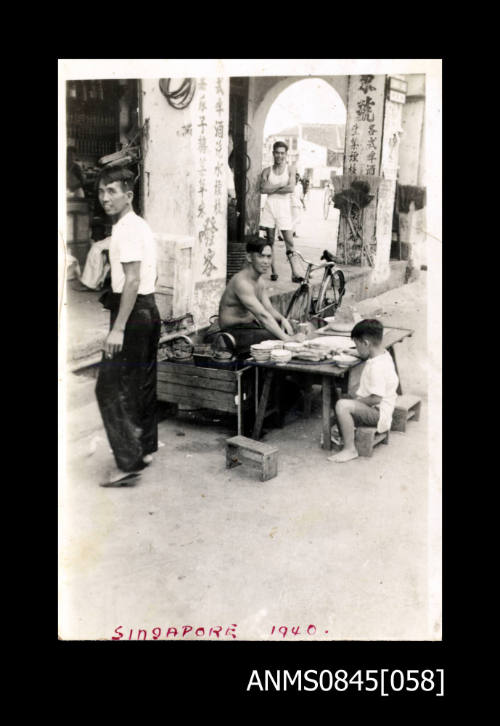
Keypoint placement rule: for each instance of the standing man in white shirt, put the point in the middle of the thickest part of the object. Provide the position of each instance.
(126, 384)
(278, 182)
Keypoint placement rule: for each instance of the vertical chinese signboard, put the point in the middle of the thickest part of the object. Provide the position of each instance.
(365, 118)
(210, 143)
(365, 113)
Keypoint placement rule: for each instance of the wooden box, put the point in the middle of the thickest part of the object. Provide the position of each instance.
(216, 388)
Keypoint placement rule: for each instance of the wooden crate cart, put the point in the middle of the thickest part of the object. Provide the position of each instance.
(223, 388)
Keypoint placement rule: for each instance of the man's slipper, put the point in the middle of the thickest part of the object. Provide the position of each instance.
(297, 278)
(80, 287)
(128, 479)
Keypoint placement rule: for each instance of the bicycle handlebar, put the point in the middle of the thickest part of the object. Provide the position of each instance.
(311, 264)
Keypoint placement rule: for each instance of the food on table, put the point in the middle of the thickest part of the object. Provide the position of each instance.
(342, 359)
(310, 354)
(281, 355)
(270, 344)
(334, 343)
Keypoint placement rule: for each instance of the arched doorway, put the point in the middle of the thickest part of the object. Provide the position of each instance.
(309, 116)
(263, 93)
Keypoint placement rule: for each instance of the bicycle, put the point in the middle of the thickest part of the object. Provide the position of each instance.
(328, 201)
(302, 307)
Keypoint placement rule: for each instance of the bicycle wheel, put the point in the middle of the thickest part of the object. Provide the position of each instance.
(331, 291)
(326, 204)
(300, 304)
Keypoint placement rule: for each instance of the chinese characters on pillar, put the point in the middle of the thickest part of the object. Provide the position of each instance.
(365, 109)
(353, 155)
(202, 149)
(211, 169)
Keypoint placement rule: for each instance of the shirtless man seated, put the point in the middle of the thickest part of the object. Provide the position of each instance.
(245, 310)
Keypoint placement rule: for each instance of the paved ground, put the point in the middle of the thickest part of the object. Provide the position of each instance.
(348, 548)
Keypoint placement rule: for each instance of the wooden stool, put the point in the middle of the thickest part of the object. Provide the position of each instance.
(241, 449)
(366, 437)
(406, 407)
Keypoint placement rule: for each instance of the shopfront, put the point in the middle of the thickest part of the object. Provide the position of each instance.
(102, 118)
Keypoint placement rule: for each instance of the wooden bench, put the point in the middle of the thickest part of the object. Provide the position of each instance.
(366, 438)
(407, 407)
(240, 449)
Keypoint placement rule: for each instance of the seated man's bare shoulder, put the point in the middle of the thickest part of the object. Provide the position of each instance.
(260, 287)
(241, 283)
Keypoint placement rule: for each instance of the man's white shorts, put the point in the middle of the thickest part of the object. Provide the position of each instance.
(277, 212)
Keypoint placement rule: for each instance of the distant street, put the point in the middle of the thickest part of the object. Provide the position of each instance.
(314, 235)
(314, 230)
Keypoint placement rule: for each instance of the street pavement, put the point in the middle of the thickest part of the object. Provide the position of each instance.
(353, 549)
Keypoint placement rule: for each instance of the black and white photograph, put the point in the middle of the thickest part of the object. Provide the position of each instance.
(249, 359)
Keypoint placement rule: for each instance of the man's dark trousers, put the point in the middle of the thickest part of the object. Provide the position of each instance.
(126, 384)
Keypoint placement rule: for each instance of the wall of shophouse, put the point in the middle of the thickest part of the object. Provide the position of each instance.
(412, 169)
(185, 194)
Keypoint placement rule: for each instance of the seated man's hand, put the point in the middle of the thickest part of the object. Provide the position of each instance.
(298, 337)
(287, 327)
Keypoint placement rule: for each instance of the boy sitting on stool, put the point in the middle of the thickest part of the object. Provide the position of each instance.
(374, 401)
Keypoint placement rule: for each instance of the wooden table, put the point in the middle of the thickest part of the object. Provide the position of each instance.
(322, 372)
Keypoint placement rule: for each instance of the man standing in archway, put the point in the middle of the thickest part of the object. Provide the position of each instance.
(278, 182)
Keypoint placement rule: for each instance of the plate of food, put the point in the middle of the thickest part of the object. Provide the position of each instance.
(333, 327)
(331, 342)
(344, 360)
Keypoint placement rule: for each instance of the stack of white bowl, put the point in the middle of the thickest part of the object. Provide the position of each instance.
(279, 355)
(293, 346)
(272, 344)
(262, 351)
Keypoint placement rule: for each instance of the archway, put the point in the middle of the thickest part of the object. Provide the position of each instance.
(263, 92)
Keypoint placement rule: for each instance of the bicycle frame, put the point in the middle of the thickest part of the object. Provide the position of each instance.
(305, 289)
(312, 267)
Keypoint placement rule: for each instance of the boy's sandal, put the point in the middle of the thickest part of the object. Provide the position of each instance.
(274, 278)
(297, 278)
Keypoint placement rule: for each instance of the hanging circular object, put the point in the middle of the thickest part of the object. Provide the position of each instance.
(180, 97)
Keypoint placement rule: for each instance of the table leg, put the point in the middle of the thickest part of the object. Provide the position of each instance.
(326, 392)
(391, 350)
(307, 396)
(256, 397)
(264, 398)
(239, 403)
(278, 416)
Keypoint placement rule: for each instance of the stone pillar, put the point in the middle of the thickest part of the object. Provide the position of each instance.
(185, 190)
(365, 115)
(371, 154)
(257, 113)
(387, 188)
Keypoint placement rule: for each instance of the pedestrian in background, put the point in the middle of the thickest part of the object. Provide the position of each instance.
(297, 204)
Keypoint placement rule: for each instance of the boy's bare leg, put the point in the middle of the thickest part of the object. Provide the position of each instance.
(343, 411)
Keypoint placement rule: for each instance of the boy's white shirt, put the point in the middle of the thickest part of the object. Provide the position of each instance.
(379, 378)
